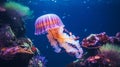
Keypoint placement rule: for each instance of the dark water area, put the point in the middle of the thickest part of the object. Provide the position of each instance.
(81, 17)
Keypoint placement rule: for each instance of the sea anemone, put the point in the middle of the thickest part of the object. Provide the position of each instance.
(21, 9)
(112, 52)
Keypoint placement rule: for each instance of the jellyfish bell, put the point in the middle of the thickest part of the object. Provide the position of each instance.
(53, 26)
(47, 22)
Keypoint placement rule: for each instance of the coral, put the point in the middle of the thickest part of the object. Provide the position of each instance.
(110, 47)
(112, 52)
(10, 52)
(21, 9)
(15, 56)
(93, 61)
(16, 50)
(109, 56)
(37, 61)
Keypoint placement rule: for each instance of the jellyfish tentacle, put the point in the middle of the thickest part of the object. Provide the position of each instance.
(53, 43)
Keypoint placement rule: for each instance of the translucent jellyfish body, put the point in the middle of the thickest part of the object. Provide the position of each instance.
(46, 22)
(52, 24)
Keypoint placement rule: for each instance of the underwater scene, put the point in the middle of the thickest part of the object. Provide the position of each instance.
(59, 33)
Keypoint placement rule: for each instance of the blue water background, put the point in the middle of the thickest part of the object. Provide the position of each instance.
(81, 17)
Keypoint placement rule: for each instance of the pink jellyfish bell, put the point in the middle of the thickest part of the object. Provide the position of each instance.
(46, 22)
(52, 24)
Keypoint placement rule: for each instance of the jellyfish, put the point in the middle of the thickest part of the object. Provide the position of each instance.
(58, 38)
